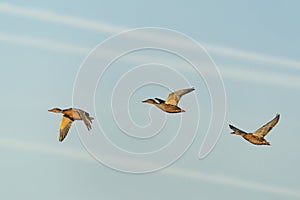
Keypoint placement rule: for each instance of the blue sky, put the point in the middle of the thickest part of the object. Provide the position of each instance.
(255, 46)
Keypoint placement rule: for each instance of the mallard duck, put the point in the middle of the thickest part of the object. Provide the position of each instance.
(257, 137)
(70, 115)
(170, 105)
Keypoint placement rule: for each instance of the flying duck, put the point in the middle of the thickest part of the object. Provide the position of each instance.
(70, 115)
(257, 137)
(170, 105)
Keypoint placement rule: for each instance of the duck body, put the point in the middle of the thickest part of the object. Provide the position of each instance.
(249, 136)
(70, 115)
(164, 107)
(170, 105)
(257, 137)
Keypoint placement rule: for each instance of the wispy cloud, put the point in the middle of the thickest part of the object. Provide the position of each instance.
(44, 148)
(235, 73)
(252, 56)
(42, 43)
(52, 17)
(77, 22)
(172, 171)
(261, 77)
(233, 182)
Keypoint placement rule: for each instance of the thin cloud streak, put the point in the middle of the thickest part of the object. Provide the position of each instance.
(44, 148)
(228, 72)
(42, 44)
(52, 17)
(252, 56)
(261, 77)
(172, 171)
(234, 182)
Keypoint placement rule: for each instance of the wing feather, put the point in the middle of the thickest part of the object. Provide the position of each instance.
(64, 127)
(265, 129)
(236, 129)
(174, 97)
(86, 119)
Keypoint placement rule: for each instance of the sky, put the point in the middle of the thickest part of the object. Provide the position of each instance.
(249, 71)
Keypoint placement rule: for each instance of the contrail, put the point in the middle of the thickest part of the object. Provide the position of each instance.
(52, 17)
(77, 22)
(171, 171)
(252, 56)
(260, 77)
(44, 148)
(236, 73)
(232, 181)
(42, 43)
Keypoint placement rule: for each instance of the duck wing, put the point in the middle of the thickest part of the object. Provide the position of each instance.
(265, 129)
(235, 129)
(86, 119)
(64, 127)
(160, 100)
(174, 97)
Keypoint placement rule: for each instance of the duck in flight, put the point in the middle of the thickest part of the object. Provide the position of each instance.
(257, 137)
(170, 105)
(70, 115)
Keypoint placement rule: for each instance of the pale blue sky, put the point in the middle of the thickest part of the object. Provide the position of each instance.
(256, 47)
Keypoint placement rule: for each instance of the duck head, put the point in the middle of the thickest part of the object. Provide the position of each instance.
(56, 110)
(151, 101)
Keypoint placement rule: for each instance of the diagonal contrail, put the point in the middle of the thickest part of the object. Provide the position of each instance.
(261, 77)
(236, 73)
(52, 17)
(43, 43)
(213, 178)
(77, 22)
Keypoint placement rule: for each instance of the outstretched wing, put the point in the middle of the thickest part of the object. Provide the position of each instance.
(64, 127)
(265, 129)
(86, 119)
(235, 129)
(174, 97)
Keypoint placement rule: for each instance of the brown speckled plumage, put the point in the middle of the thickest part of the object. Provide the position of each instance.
(257, 137)
(170, 105)
(70, 115)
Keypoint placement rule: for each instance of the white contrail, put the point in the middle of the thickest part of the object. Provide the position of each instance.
(56, 18)
(236, 73)
(42, 43)
(172, 171)
(49, 16)
(252, 56)
(44, 148)
(232, 181)
(261, 77)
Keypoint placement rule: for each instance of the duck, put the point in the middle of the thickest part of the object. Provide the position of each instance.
(257, 137)
(69, 116)
(170, 105)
